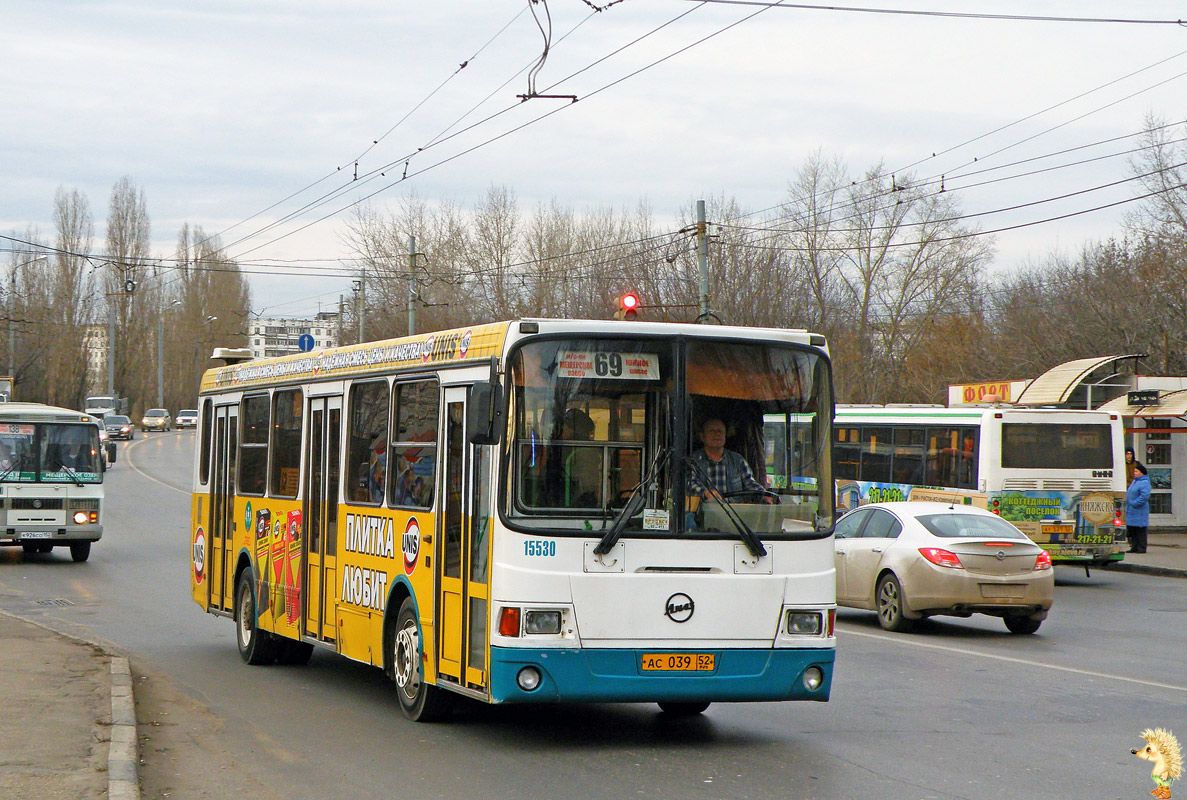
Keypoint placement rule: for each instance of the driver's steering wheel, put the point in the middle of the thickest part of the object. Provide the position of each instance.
(753, 493)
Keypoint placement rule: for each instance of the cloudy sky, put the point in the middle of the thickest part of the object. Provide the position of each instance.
(242, 116)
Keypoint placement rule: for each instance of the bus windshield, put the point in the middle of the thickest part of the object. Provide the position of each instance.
(596, 424)
(50, 453)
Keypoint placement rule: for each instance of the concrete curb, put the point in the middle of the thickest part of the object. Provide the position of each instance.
(122, 755)
(1147, 569)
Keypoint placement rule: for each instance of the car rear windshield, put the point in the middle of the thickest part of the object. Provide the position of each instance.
(970, 526)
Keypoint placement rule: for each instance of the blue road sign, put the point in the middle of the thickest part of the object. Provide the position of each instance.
(305, 342)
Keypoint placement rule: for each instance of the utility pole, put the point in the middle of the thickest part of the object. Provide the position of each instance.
(362, 301)
(411, 285)
(111, 343)
(161, 360)
(11, 327)
(338, 325)
(703, 260)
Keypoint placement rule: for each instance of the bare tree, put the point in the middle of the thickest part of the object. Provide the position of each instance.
(68, 292)
(134, 299)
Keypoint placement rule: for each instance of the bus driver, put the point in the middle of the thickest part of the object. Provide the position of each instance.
(728, 471)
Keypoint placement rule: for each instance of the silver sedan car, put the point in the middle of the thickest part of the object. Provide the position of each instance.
(914, 559)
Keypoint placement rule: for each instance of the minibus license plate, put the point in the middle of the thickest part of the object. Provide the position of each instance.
(679, 662)
(37, 535)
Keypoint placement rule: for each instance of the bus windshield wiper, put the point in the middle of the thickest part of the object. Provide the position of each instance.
(73, 475)
(634, 504)
(753, 543)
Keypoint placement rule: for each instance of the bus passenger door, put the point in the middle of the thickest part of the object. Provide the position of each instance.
(462, 569)
(321, 514)
(222, 508)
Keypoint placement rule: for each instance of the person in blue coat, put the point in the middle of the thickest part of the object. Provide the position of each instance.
(1137, 509)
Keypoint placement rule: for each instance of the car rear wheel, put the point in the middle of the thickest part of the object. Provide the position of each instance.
(1022, 625)
(683, 709)
(889, 600)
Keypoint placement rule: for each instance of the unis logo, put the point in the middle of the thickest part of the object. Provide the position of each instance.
(410, 545)
(679, 607)
(198, 551)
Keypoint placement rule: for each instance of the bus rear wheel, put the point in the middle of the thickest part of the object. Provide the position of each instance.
(255, 646)
(293, 653)
(419, 701)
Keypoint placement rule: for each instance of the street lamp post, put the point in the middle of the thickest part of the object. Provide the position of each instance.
(161, 353)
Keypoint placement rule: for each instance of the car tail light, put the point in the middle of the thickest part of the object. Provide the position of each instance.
(1043, 561)
(509, 622)
(941, 557)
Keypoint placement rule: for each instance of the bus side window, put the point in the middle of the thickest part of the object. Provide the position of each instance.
(366, 454)
(413, 453)
(253, 444)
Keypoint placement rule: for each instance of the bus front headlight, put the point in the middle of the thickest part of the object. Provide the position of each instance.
(80, 518)
(804, 623)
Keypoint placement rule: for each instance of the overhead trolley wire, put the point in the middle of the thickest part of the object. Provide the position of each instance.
(954, 14)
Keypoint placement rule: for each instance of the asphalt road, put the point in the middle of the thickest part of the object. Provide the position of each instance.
(960, 709)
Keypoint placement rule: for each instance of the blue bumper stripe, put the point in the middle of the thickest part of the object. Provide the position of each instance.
(616, 676)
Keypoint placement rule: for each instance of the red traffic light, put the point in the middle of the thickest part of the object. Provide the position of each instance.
(628, 306)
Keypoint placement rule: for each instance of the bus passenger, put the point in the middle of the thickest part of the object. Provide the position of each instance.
(728, 471)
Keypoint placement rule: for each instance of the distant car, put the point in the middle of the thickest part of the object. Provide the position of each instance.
(105, 445)
(911, 560)
(186, 418)
(156, 419)
(119, 427)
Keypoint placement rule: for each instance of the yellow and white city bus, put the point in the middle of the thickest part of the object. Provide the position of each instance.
(505, 512)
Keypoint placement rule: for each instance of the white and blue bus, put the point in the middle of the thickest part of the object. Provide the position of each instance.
(504, 513)
(51, 479)
(1057, 474)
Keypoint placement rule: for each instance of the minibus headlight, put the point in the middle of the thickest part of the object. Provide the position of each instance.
(542, 622)
(813, 678)
(80, 518)
(804, 623)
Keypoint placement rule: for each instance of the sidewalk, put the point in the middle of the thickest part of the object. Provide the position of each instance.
(69, 725)
(1166, 555)
(68, 722)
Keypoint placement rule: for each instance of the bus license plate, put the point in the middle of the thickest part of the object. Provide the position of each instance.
(37, 535)
(679, 662)
(1058, 528)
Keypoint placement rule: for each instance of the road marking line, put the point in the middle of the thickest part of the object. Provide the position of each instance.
(139, 471)
(1013, 660)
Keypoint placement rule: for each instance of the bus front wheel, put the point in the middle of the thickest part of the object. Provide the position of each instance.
(255, 646)
(419, 701)
(80, 551)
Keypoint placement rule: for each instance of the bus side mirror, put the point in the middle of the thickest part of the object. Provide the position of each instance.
(110, 452)
(484, 414)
